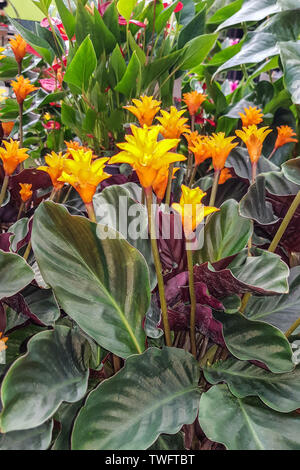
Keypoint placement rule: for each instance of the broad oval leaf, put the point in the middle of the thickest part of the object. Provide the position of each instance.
(126, 7)
(31, 439)
(156, 392)
(102, 284)
(82, 66)
(246, 424)
(252, 10)
(225, 234)
(15, 274)
(239, 160)
(281, 392)
(52, 371)
(254, 205)
(255, 340)
(291, 169)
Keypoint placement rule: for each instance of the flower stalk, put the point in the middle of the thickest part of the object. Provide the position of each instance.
(193, 302)
(214, 188)
(4, 189)
(91, 211)
(158, 268)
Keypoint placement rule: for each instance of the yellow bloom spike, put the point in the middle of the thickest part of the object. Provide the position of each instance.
(7, 127)
(83, 174)
(56, 165)
(173, 125)
(200, 149)
(193, 100)
(285, 135)
(251, 116)
(145, 109)
(22, 88)
(25, 191)
(3, 340)
(254, 139)
(18, 46)
(147, 155)
(3, 95)
(73, 145)
(220, 147)
(1, 55)
(191, 209)
(12, 156)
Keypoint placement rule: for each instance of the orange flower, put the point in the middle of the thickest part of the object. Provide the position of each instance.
(56, 164)
(254, 139)
(22, 88)
(161, 182)
(18, 46)
(191, 138)
(191, 209)
(193, 100)
(220, 147)
(2, 342)
(145, 109)
(251, 116)
(225, 175)
(285, 135)
(73, 145)
(25, 191)
(12, 156)
(7, 128)
(83, 174)
(173, 125)
(200, 149)
(147, 155)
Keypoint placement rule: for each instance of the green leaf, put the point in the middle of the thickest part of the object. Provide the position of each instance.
(31, 439)
(255, 340)
(291, 170)
(281, 392)
(252, 10)
(52, 371)
(118, 210)
(282, 310)
(225, 234)
(126, 7)
(43, 5)
(131, 78)
(246, 424)
(68, 115)
(224, 13)
(239, 160)
(119, 415)
(66, 416)
(194, 28)
(98, 280)
(15, 274)
(102, 36)
(42, 303)
(158, 67)
(278, 184)
(290, 57)
(196, 51)
(118, 63)
(169, 442)
(164, 16)
(82, 66)
(67, 18)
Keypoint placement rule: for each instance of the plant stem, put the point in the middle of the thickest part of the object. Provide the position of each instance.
(214, 188)
(116, 363)
(292, 328)
(27, 251)
(193, 176)
(21, 124)
(285, 223)
(21, 210)
(158, 268)
(153, 30)
(3, 189)
(91, 212)
(193, 302)
(254, 171)
(67, 195)
(272, 153)
(169, 185)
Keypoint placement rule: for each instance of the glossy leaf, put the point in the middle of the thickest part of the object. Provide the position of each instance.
(125, 8)
(131, 78)
(119, 415)
(67, 18)
(252, 10)
(15, 274)
(52, 371)
(291, 170)
(246, 424)
(254, 205)
(281, 392)
(256, 340)
(97, 283)
(239, 160)
(31, 439)
(290, 57)
(82, 66)
(196, 50)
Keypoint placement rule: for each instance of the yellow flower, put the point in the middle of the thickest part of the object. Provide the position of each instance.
(193, 100)
(200, 149)
(12, 156)
(220, 148)
(18, 46)
(25, 191)
(56, 164)
(7, 127)
(2, 342)
(173, 125)
(1, 55)
(285, 135)
(147, 155)
(73, 145)
(254, 139)
(251, 116)
(191, 209)
(83, 174)
(47, 116)
(3, 95)
(145, 109)
(22, 88)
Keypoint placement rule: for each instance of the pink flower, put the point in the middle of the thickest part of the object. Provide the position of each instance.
(30, 50)
(123, 22)
(51, 125)
(49, 84)
(233, 42)
(233, 85)
(178, 8)
(45, 24)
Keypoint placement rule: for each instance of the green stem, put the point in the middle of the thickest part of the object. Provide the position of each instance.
(158, 268)
(169, 185)
(193, 176)
(21, 125)
(292, 328)
(3, 189)
(21, 210)
(27, 251)
(67, 195)
(285, 223)
(91, 212)
(193, 302)
(214, 188)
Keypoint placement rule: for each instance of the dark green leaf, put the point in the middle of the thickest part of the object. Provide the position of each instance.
(82, 66)
(32, 439)
(15, 274)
